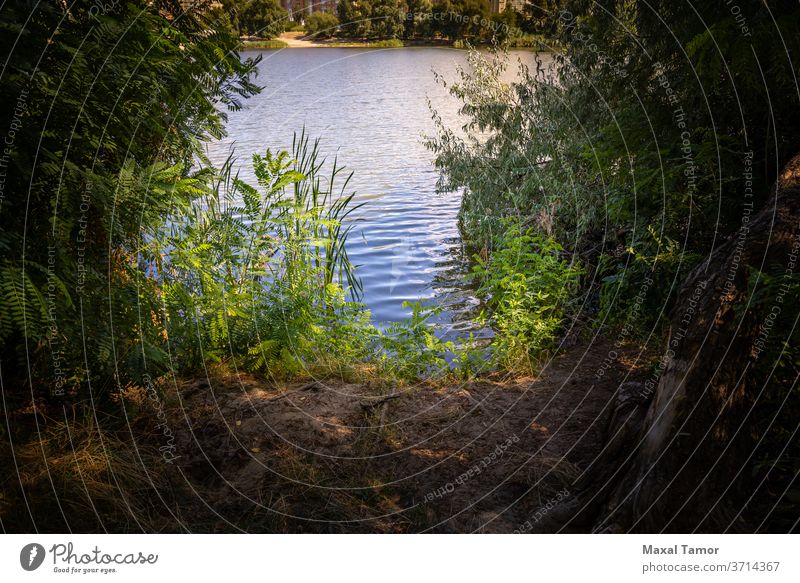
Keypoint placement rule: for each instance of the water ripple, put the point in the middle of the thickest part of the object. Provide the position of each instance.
(369, 108)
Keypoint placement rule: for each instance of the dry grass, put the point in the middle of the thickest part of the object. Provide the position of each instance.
(73, 475)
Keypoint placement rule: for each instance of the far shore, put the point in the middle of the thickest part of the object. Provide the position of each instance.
(298, 40)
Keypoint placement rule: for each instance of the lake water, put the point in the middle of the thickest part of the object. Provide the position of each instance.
(370, 108)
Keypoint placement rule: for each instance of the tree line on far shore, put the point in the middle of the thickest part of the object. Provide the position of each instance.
(452, 20)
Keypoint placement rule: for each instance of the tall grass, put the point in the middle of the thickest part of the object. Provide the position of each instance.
(257, 273)
(258, 276)
(324, 208)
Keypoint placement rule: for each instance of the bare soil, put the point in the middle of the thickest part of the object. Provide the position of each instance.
(491, 455)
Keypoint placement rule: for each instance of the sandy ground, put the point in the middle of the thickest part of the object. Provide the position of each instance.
(295, 40)
(484, 456)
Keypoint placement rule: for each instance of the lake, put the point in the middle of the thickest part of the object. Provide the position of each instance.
(370, 108)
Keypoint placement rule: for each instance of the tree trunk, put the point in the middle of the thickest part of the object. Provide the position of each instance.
(693, 451)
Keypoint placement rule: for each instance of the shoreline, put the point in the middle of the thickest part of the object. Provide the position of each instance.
(296, 40)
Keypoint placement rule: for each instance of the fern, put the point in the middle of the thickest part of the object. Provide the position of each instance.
(25, 308)
(263, 354)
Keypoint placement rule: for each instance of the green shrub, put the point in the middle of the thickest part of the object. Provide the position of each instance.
(322, 24)
(265, 44)
(411, 349)
(76, 306)
(262, 18)
(392, 43)
(638, 285)
(528, 285)
(529, 41)
(260, 274)
(294, 26)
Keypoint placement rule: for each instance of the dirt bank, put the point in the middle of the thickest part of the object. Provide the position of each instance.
(489, 456)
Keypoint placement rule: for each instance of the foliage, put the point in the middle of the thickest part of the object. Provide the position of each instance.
(460, 19)
(387, 18)
(262, 18)
(540, 16)
(776, 369)
(260, 277)
(656, 132)
(393, 19)
(470, 359)
(629, 132)
(411, 348)
(265, 44)
(107, 109)
(636, 284)
(294, 25)
(322, 24)
(505, 24)
(529, 41)
(529, 285)
(127, 263)
(355, 18)
(259, 273)
(391, 43)
(417, 21)
(371, 19)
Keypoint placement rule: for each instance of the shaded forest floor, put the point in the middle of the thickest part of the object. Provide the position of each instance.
(491, 455)
(234, 452)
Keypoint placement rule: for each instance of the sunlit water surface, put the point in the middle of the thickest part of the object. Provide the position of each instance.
(370, 109)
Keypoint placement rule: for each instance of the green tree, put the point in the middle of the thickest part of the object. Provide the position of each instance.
(355, 18)
(463, 19)
(439, 16)
(541, 16)
(655, 139)
(505, 24)
(108, 111)
(387, 18)
(322, 24)
(233, 9)
(621, 165)
(418, 19)
(671, 108)
(263, 18)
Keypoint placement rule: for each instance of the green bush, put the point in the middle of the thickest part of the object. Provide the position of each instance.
(411, 349)
(636, 285)
(322, 24)
(599, 175)
(392, 43)
(294, 26)
(260, 274)
(262, 18)
(528, 285)
(76, 304)
(529, 41)
(273, 43)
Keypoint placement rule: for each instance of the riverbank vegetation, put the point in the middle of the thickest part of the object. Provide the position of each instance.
(395, 23)
(196, 266)
(129, 261)
(648, 142)
(142, 288)
(469, 21)
(265, 19)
